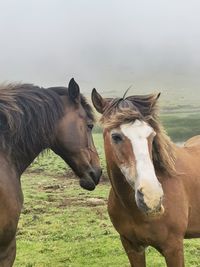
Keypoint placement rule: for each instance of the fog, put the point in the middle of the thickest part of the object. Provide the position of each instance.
(107, 44)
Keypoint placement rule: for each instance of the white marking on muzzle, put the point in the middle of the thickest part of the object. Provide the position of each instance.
(145, 180)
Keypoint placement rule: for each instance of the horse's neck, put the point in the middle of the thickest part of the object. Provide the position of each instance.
(24, 161)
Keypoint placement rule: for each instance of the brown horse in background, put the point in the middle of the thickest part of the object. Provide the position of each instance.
(155, 195)
(33, 119)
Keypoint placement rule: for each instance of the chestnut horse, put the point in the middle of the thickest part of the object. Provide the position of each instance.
(33, 119)
(155, 195)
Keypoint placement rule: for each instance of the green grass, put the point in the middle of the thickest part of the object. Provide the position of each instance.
(182, 126)
(60, 225)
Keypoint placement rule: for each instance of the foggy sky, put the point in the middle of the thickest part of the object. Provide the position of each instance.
(107, 44)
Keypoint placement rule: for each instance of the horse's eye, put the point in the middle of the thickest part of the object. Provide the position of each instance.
(90, 126)
(116, 137)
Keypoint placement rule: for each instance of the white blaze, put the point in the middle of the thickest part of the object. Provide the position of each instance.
(145, 180)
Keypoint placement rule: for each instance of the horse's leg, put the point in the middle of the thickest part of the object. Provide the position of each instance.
(7, 255)
(173, 253)
(137, 259)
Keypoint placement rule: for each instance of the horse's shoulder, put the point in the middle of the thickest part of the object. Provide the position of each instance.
(194, 141)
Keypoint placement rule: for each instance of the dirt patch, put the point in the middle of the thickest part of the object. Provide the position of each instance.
(95, 202)
(55, 187)
(87, 202)
(52, 187)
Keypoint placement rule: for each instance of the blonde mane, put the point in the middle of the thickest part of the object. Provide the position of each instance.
(120, 111)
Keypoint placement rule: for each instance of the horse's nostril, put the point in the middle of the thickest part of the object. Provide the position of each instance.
(92, 174)
(139, 192)
(95, 175)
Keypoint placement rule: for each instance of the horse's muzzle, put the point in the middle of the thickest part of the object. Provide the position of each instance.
(91, 179)
(157, 209)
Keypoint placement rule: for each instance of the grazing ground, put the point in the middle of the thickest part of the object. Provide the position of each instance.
(62, 225)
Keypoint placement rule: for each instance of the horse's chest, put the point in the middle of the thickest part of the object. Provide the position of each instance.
(139, 232)
(10, 207)
(7, 233)
(134, 227)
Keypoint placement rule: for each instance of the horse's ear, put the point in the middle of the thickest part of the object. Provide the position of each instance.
(98, 101)
(74, 91)
(155, 99)
(158, 96)
(153, 106)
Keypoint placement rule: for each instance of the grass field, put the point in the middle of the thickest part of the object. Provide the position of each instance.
(62, 225)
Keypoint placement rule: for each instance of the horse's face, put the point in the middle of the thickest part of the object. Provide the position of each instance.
(132, 152)
(74, 142)
(129, 149)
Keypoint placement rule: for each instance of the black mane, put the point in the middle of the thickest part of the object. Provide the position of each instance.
(28, 115)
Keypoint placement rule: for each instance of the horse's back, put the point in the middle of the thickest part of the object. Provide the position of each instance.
(193, 142)
(188, 157)
(188, 162)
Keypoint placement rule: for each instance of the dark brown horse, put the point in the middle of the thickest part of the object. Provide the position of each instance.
(33, 119)
(155, 195)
